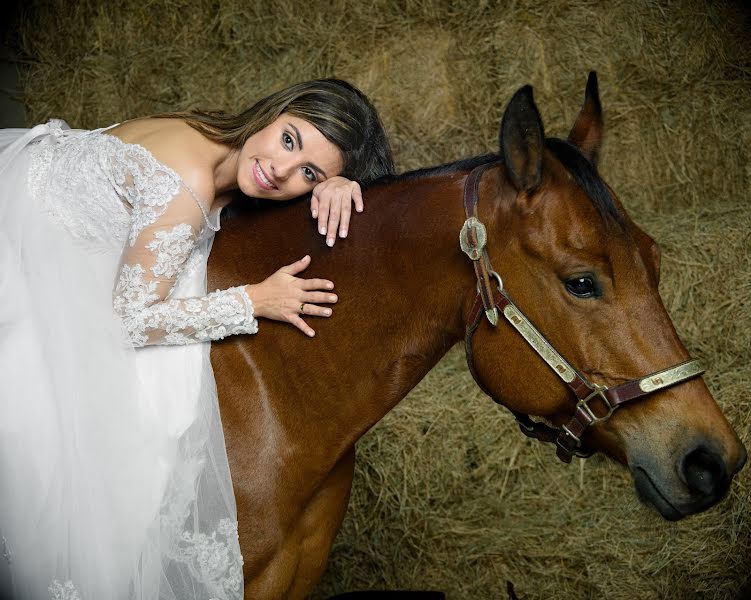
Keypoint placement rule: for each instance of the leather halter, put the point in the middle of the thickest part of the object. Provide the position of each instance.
(595, 403)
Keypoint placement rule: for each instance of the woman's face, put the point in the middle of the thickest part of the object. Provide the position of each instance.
(286, 159)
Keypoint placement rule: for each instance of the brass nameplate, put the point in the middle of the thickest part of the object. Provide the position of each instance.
(671, 376)
(539, 343)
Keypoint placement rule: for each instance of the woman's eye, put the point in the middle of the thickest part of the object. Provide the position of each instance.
(309, 174)
(288, 142)
(582, 287)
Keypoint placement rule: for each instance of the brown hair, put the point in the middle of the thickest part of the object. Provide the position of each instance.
(340, 111)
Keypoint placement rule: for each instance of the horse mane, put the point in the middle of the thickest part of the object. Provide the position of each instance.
(465, 164)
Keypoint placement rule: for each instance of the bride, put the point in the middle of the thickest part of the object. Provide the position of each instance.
(114, 481)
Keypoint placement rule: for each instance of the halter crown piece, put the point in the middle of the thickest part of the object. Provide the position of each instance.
(595, 403)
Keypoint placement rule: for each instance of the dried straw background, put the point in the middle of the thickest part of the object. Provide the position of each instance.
(447, 494)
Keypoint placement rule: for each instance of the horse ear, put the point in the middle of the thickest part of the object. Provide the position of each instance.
(586, 134)
(522, 140)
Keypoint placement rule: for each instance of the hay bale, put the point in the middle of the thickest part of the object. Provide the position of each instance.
(675, 88)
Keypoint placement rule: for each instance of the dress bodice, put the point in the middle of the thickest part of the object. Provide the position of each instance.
(116, 199)
(102, 189)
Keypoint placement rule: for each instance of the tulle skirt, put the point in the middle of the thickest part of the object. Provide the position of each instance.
(114, 482)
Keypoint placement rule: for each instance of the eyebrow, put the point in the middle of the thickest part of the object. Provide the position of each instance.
(297, 134)
(299, 143)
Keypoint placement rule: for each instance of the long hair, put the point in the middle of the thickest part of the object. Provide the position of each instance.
(340, 111)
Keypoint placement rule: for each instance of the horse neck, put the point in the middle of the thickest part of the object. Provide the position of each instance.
(401, 313)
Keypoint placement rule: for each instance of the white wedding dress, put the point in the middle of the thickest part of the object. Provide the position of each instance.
(114, 482)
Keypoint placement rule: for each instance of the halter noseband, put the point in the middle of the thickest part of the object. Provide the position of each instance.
(595, 403)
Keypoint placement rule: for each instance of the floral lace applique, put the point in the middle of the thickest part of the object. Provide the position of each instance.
(63, 591)
(172, 249)
(144, 182)
(178, 322)
(133, 295)
(6, 550)
(213, 558)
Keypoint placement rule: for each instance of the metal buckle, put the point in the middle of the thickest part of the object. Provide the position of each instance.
(568, 432)
(492, 275)
(473, 251)
(583, 404)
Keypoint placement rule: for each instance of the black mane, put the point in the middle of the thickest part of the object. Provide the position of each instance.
(465, 164)
(584, 173)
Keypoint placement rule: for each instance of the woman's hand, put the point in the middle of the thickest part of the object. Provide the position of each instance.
(331, 204)
(285, 297)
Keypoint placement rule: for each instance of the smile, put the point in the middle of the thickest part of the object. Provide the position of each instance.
(263, 181)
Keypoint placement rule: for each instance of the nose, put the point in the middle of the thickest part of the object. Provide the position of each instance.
(704, 472)
(281, 169)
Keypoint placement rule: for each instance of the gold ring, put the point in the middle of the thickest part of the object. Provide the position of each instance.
(302, 308)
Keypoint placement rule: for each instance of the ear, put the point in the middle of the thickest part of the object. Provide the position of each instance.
(522, 140)
(586, 133)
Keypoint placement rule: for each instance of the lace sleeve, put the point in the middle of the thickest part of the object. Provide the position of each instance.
(163, 235)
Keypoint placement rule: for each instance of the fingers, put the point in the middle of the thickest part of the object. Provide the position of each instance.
(346, 212)
(357, 197)
(318, 298)
(316, 284)
(331, 203)
(296, 267)
(324, 203)
(311, 310)
(302, 326)
(335, 211)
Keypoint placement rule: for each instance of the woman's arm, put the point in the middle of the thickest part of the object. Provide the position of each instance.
(162, 240)
(158, 251)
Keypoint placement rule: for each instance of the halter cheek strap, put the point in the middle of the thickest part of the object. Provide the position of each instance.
(595, 403)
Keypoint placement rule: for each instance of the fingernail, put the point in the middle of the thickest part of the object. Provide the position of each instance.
(358, 209)
(329, 286)
(327, 312)
(315, 213)
(343, 233)
(332, 298)
(322, 231)
(330, 242)
(311, 333)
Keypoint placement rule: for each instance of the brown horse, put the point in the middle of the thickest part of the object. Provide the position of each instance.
(570, 257)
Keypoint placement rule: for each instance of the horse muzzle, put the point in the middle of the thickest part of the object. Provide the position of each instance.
(701, 478)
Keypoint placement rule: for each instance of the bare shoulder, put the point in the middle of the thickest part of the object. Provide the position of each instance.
(177, 145)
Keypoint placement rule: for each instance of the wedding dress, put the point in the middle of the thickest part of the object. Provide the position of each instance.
(114, 482)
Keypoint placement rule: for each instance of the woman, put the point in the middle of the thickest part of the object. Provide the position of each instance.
(114, 480)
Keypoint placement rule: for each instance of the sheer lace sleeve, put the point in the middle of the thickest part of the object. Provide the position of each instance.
(163, 235)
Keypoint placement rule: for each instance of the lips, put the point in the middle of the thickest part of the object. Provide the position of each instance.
(263, 181)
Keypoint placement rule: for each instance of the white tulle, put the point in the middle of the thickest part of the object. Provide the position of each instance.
(114, 482)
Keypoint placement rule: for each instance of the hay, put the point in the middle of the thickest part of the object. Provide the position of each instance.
(675, 83)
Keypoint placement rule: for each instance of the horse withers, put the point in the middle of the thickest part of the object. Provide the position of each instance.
(574, 277)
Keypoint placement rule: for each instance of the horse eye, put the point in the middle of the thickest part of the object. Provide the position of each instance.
(582, 287)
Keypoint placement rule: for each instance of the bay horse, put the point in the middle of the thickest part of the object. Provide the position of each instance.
(583, 278)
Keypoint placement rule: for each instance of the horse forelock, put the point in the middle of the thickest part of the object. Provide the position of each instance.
(588, 179)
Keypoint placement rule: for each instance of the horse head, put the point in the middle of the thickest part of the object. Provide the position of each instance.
(587, 277)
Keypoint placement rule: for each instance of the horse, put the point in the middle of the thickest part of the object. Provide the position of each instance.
(577, 279)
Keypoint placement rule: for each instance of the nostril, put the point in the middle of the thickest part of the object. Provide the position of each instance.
(704, 472)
